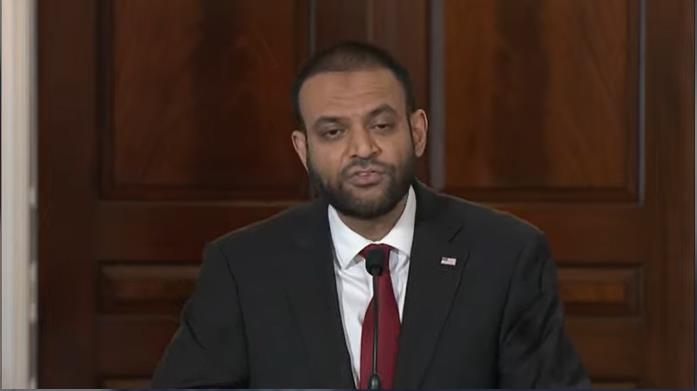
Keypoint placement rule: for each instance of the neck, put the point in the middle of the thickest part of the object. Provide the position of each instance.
(376, 229)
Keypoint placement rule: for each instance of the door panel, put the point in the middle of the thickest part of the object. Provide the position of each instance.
(553, 111)
(165, 123)
(541, 100)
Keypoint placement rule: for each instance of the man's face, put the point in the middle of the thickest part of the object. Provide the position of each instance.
(360, 144)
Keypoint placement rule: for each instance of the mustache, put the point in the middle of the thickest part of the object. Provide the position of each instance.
(365, 163)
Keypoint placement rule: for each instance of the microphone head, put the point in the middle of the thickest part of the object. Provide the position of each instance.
(374, 262)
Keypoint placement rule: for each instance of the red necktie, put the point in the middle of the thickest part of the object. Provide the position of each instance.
(388, 327)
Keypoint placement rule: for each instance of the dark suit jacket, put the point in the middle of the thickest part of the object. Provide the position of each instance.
(265, 312)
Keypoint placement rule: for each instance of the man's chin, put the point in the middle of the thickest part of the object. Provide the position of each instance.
(365, 207)
(365, 195)
(362, 202)
(364, 212)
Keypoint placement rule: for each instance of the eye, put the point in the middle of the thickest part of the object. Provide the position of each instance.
(332, 133)
(383, 126)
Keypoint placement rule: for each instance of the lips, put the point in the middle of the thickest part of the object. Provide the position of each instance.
(366, 177)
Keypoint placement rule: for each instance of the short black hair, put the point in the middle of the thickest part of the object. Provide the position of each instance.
(346, 57)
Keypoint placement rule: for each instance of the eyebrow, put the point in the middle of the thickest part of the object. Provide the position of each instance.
(326, 120)
(381, 109)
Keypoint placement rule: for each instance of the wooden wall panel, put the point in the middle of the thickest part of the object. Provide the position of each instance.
(608, 291)
(541, 99)
(145, 289)
(67, 169)
(154, 232)
(342, 20)
(381, 22)
(189, 148)
(589, 234)
(145, 231)
(579, 117)
(138, 288)
(670, 193)
(165, 123)
(146, 336)
(197, 98)
(400, 26)
(612, 350)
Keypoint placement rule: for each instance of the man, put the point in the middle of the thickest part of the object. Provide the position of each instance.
(467, 297)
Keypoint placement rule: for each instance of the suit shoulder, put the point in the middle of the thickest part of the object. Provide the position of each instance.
(273, 229)
(491, 223)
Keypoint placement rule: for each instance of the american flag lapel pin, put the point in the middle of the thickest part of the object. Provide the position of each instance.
(447, 261)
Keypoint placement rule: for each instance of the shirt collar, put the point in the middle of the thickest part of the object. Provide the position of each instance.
(347, 243)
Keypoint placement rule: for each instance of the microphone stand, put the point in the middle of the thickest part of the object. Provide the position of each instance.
(374, 381)
(374, 263)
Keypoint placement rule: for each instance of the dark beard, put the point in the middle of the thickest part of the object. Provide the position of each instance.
(343, 201)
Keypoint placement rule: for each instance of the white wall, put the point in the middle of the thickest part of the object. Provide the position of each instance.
(18, 189)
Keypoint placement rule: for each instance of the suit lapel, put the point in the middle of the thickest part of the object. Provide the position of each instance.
(313, 299)
(430, 288)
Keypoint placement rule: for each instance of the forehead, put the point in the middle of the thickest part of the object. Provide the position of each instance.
(350, 93)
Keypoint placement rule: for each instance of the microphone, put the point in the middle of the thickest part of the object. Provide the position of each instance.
(374, 264)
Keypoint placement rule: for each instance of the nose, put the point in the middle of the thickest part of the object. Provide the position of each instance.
(363, 144)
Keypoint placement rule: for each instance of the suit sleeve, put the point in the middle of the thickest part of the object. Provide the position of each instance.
(535, 351)
(209, 348)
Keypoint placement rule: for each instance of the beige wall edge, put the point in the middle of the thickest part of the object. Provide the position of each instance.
(18, 193)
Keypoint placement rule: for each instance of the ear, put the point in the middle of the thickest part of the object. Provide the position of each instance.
(419, 131)
(299, 139)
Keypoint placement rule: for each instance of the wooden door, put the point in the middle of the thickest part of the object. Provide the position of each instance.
(165, 123)
(579, 117)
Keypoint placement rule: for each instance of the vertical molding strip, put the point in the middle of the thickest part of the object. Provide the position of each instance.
(312, 20)
(641, 112)
(694, 221)
(436, 138)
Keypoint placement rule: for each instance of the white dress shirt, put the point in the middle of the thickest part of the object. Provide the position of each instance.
(354, 284)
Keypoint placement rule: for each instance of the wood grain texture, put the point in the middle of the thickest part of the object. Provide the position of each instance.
(161, 288)
(145, 289)
(342, 20)
(601, 291)
(146, 231)
(146, 336)
(589, 233)
(198, 99)
(544, 119)
(384, 23)
(549, 130)
(670, 197)
(611, 349)
(170, 232)
(67, 166)
(541, 99)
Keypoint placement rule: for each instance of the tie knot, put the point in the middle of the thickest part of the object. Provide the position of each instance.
(383, 249)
